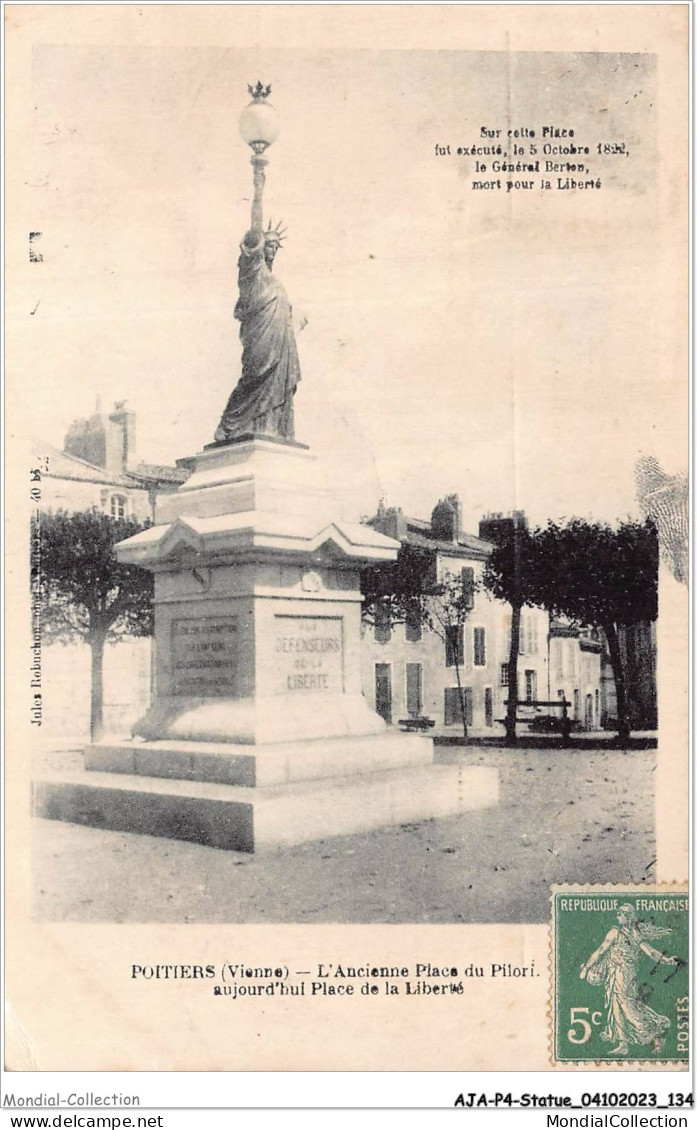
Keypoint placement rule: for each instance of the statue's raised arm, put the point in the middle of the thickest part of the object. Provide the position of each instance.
(258, 164)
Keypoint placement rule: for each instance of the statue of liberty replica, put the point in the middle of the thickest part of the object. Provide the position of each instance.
(262, 401)
(259, 734)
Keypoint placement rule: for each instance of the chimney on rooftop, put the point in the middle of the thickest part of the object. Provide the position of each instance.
(86, 439)
(390, 521)
(120, 439)
(446, 518)
(499, 527)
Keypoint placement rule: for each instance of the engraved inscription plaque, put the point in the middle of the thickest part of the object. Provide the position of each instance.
(309, 651)
(204, 656)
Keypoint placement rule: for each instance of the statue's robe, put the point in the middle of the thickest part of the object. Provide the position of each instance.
(262, 400)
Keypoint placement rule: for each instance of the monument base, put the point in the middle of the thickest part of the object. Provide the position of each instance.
(228, 763)
(270, 719)
(259, 735)
(254, 819)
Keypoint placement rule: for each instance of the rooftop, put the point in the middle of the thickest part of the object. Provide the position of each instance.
(159, 472)
(443, 533)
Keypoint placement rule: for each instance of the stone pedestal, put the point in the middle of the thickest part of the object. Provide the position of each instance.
(259, 734)
(257, 602)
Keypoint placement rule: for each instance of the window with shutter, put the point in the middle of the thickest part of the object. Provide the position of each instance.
(467, 576)
(413, 625)
(488, 706)
(452, 706)
(414, 689)
(454, 646)
(531, 686)
(383, 691)
(118, 506)
(383, 628)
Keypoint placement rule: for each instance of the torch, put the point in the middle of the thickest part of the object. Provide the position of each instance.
(259, 128)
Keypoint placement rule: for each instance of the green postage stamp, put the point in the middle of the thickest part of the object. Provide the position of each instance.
(620, 978)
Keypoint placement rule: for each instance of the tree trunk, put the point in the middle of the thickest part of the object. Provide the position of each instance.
(461, 695)
(623, 731)
(512, 709)
(96, 639)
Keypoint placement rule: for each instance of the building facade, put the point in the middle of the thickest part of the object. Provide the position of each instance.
(575, 672)
(408, 670)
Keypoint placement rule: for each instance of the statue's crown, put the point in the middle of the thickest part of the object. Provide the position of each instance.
(259, 91)
(275, 234)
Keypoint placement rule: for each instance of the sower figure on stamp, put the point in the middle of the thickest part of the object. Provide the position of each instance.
(614, 964)
(262, 401)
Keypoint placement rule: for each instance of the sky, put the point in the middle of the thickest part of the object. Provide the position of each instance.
(516, 349)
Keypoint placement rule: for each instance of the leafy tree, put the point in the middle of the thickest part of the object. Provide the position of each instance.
(512, 574)
(407, 590)
(604, 577)
(85, 593)
(445, 610)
